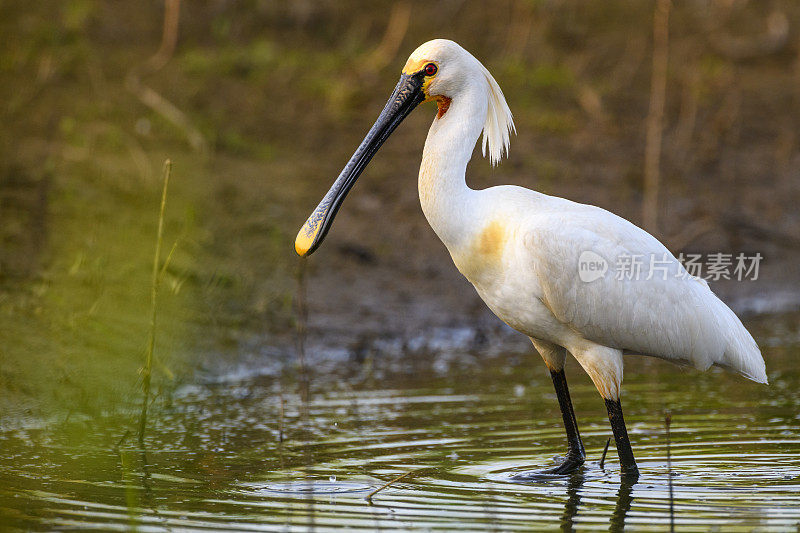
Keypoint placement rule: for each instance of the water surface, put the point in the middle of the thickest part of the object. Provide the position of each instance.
(245, 451)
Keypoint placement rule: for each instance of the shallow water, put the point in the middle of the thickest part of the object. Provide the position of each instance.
(244, 451)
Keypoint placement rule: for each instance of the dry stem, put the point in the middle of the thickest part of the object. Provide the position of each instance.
(655, 115)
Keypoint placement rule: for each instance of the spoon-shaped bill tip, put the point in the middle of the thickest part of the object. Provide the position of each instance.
(304, 240)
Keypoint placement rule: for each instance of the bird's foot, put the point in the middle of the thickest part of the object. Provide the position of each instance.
(570, 464)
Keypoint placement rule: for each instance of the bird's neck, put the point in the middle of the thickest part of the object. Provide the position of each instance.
(443, 192)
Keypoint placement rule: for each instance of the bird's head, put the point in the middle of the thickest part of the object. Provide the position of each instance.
(439, 70)
(445, 69)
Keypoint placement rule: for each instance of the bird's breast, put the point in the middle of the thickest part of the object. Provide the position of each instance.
(480, 259)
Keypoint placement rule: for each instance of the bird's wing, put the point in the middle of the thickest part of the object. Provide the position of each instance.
(645, 301)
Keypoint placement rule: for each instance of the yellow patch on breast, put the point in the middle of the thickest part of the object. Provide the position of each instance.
(491, 241)
(484, 253)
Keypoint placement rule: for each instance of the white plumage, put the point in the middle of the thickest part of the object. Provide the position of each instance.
(572, 277)
(521, 251)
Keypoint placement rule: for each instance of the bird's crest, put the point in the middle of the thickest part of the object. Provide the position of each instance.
(499, 122)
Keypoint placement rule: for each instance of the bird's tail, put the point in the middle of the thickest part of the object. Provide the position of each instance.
(742, 354)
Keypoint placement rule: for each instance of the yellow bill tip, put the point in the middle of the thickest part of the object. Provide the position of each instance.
(303, 241)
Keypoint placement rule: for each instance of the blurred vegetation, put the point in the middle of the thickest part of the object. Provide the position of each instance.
(280, 92)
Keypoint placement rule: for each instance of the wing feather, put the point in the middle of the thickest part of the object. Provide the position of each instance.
(660, 311)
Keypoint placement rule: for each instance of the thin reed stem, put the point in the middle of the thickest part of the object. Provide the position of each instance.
(147, 370)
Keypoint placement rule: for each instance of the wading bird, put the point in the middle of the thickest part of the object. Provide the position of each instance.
(543, 264)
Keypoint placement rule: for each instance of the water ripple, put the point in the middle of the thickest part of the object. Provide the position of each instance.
(215, 460)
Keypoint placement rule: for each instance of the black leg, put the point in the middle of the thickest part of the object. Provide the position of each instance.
(575, 451)
(628, 468)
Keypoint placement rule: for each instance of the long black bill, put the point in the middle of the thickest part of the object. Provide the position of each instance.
(406, 96)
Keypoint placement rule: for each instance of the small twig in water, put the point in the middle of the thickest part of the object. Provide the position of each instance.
(121, 439)
(667, 422)
(369, 496)
(605, 451)
(280, 422)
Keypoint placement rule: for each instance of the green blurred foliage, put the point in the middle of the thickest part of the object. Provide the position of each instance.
(281, 91)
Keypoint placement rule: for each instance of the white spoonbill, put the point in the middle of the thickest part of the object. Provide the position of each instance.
(544, 265)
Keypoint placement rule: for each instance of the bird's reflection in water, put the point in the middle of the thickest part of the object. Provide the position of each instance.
(624, 500)
(573, 503)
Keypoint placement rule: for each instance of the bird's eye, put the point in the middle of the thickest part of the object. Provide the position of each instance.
(430, 69)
